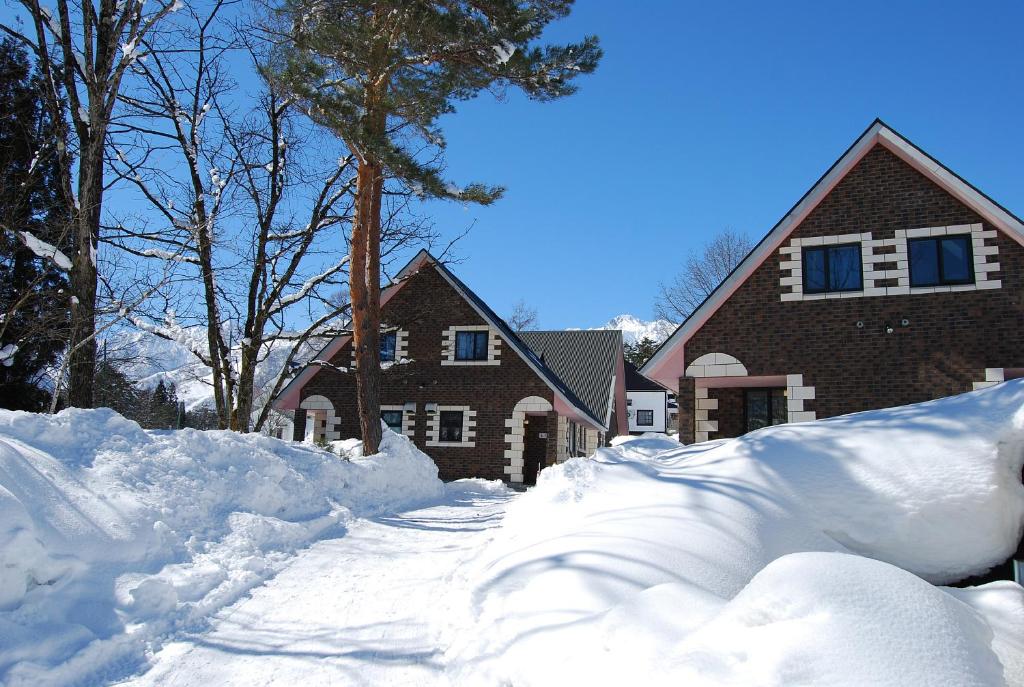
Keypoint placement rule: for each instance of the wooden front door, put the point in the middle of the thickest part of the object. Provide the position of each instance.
(534, 447)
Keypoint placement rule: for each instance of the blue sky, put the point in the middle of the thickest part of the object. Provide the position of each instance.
(711, 115)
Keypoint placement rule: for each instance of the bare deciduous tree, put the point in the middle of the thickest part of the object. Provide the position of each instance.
(523, 317)
(83, 51)
(702, 274)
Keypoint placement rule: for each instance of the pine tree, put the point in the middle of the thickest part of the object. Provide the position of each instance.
(379, 74)
(115, 391)
(640, 352)
(34, 307)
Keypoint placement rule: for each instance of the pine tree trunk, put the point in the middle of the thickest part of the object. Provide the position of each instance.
(82, 363)
(365, 294)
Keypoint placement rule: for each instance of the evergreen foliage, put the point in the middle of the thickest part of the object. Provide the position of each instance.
(641, 351)
(34, 306)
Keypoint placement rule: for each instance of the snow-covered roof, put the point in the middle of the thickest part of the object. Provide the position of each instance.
(659, 367)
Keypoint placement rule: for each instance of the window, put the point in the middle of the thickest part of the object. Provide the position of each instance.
(388, 344)
(941, 261)
(393, 419)
(765, 407)
(471, 345)
(450, 426)
(645, 418)
(832, 268)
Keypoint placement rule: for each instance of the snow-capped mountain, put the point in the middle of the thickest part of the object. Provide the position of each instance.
(634, 329)
(148, 359)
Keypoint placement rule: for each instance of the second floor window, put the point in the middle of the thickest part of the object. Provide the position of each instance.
(645, 418)
(388, 344)
(450, 424)
(941, 261)
(832, 268)
(471, 345)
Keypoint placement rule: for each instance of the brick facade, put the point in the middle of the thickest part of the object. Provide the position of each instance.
(941, 343)
(426, 307)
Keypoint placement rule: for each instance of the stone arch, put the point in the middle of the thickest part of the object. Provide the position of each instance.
(515, 432)
(716, 365)
(321, 410)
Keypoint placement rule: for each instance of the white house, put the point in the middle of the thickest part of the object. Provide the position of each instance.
(647, 403)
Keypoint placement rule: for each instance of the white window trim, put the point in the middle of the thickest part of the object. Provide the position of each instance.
(791, 263)
(408, 419)
(449, 335)
(468, 427)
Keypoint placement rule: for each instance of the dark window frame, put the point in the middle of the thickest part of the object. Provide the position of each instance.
(400, 417)
(644, 412)
(393, 353)
(477, 336)
(941, 280)
(768, 390)
(825, 248)
(442, 427)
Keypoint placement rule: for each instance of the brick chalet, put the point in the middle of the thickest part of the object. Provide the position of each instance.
(891, 281)
(479, 398)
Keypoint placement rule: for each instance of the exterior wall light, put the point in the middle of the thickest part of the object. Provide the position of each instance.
(889, 329)
(409, 407)
(904, 322)
(431, 408)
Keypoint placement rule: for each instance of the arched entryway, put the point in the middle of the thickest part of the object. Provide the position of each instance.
(320, 419)
(526, 439)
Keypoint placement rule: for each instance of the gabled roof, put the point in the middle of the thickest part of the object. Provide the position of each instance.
(636, 381)
(879, 133)
(288, 398)
(584, 359)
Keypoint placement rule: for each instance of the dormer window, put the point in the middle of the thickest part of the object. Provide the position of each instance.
(471, 345)
(941, 261)
(828, 269)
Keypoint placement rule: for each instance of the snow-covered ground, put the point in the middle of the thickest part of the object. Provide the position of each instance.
(800, 554)
(113, 538)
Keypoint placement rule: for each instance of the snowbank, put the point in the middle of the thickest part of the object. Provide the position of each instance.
(798, 554)
(112, 536)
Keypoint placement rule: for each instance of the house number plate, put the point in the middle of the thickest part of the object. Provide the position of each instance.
(542, 435)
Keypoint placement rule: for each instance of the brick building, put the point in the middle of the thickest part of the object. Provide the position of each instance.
(891, 281)
(480, 399)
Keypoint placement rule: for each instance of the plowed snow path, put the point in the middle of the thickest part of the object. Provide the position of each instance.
(368, 608)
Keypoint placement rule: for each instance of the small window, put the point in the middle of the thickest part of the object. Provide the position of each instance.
(645, 418)
(765, 407)
(393, 419)
(941, 261)
(832, 268)
(388, 344)
(471, 345)
(451, 425)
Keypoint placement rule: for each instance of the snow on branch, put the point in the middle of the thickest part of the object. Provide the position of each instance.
(310, 284)
(45, 250)
(7, 354)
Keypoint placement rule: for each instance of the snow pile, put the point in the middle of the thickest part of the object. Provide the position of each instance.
(112, 537)
(798, 554)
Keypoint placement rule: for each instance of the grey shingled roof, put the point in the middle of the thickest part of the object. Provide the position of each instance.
(584, 360)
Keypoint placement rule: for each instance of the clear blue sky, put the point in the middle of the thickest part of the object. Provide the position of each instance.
(712, 115)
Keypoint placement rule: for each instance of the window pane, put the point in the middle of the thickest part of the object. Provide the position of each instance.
(645, 418)
(924, 263)
(757, 409)
(780, 410)
(387, 346)
(471, 345)
(480, 350)
(814, 269)
(956, 259)
(451, 425)
(844, 268)
(393, 419)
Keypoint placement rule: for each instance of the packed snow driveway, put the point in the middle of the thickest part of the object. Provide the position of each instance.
(369, 608)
